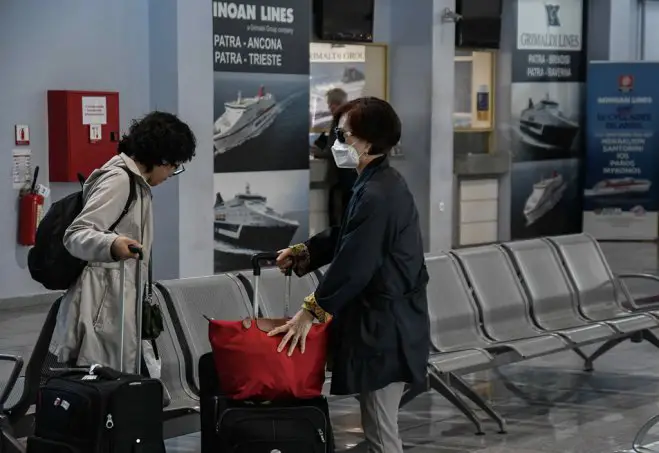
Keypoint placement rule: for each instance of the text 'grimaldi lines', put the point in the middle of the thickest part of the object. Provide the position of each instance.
(244, 11)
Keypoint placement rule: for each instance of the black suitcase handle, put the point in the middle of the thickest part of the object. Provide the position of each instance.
(267, 258)
(135, 249)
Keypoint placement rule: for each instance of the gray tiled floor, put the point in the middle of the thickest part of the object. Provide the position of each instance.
(554, 408)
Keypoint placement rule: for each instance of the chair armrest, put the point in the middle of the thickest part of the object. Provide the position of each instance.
(636, 276)
(13, 377)
(640, 276)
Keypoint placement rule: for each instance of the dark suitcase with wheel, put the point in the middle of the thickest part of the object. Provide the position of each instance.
(227, 426)
(101, 410)
(230, 426)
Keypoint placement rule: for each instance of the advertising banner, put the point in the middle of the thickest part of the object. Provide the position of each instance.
(261, 128)
(546, 118)
(621, 197)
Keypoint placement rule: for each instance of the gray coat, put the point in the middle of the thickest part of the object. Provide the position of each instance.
(89, 319)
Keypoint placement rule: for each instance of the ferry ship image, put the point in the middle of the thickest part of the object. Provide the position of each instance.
(247, 222)
(618, 186)
(352, 82)
(244, 119)
(546, 194)
(545, 123)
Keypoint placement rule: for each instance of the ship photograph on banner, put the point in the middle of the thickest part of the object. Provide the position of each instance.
(261, 122)
(257, 212)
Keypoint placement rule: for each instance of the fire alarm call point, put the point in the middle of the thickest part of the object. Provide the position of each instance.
(83, 132)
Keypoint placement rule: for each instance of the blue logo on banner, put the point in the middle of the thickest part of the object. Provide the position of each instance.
(552, 15)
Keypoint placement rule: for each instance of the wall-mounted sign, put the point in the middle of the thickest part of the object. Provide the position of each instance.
(263, 38)
(94, 110)
(549, 41)
(337, 53)
(621, 194)
(22, 134)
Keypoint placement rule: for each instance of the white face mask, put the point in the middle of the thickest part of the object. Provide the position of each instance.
(345, 156)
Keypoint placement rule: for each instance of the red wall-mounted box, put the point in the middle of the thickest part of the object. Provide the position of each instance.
(83, 132)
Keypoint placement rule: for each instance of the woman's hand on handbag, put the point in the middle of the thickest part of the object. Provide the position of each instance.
(295, 330)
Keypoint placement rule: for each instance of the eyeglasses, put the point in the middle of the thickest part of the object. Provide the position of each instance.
(178, 170)
(341, 134)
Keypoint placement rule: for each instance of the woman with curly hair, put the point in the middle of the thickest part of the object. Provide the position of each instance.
(89, 321)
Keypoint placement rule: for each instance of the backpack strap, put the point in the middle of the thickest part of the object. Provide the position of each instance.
(132, 195)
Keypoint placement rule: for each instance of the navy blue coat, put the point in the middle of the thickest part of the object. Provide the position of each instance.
(375, 286)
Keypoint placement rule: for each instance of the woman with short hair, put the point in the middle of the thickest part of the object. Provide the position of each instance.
(88, 329)
(375, 287)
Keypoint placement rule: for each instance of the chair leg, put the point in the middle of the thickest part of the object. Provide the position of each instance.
(601, 351)
(461, 386)
(581, 354)
(651, 338)
(437, 384)
(412, 392)
(8, 443)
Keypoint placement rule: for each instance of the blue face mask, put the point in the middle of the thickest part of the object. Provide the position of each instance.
(345, 156)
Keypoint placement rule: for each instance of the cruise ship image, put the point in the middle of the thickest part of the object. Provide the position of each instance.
(545, 123)
(247, 222)
(618, 186)
(352, 82)
(546, 194)
(244, 119)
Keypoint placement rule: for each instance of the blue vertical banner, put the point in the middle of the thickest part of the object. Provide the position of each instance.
(621, 193)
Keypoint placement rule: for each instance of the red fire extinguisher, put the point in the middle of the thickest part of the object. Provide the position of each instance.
(30, 209)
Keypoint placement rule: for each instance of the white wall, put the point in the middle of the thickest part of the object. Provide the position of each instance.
(67, 44)
(650, 30)
(421, 52)
(615, 30)
(157, 55)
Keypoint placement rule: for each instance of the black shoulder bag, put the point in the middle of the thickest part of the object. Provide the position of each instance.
(152, 322)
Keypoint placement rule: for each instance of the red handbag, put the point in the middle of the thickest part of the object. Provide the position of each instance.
(248, 364)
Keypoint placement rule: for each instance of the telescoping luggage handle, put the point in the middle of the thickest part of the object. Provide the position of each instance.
(138, 307)
(258, 260)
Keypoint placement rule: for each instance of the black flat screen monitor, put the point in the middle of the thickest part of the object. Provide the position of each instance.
(344, 20)
(480, 26)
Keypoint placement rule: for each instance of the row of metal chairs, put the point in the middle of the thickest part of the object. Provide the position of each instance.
(488, 306)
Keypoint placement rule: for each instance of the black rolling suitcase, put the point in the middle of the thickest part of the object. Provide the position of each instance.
(101, 410)
(228, 426)
(300, 426)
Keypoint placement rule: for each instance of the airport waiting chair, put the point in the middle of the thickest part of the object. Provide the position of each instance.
(504, 312)
(602, 286)
(553, 302)
(600, 295)
(8, 443)
(507, 309)
(191, 301)
(181, 415)
(457, 343)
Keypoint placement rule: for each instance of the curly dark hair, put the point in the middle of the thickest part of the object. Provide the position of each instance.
(159, 138)
(374, 120)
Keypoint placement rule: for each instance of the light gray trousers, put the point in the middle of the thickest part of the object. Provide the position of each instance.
(380, 419)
